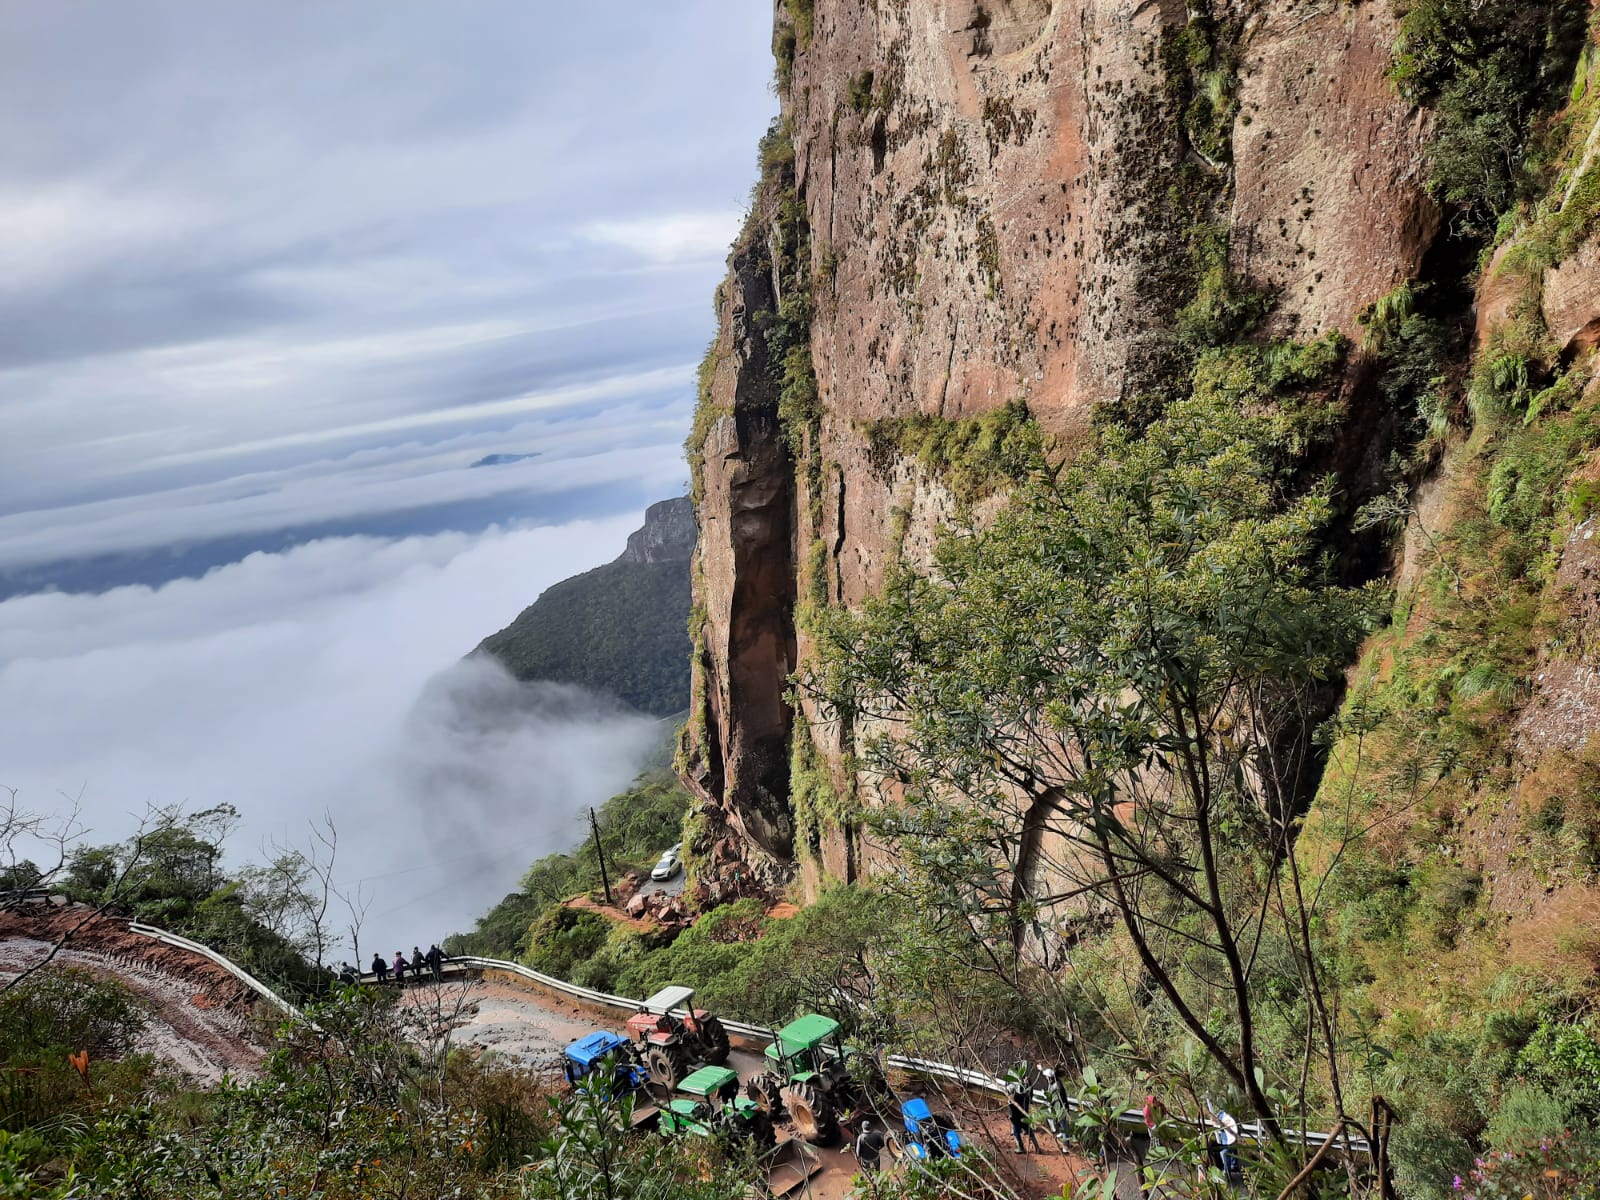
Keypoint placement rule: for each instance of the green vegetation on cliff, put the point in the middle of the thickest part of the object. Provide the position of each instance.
(1490, 69)
(619, 629)
(972, 456)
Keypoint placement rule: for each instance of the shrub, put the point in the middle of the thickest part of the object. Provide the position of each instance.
(65, 1009)
(1526, 1116)
(564, 937)
(1426, 1157)
(1490, 67)
(1564, 1060)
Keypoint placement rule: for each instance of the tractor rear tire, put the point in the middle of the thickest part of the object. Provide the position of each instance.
(714, 1044)
(810, 1111)
(665, 1064)
(766, 1091)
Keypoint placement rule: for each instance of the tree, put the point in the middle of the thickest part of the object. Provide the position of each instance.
(1093, 706)
(35, 848)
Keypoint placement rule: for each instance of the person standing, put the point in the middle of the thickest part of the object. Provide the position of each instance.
(400, 967)
(435, 958)
(869, 1146)
(380, 968)
(417, 963)
(1019, 1100)
(1056, 1107)
(1227, 1141)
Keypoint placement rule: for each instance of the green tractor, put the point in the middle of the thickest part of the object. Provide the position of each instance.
(807, 1073)
(711, 1104)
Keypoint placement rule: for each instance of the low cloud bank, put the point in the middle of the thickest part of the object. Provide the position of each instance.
(326, 679)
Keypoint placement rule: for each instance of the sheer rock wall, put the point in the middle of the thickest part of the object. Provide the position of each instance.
(994, 193)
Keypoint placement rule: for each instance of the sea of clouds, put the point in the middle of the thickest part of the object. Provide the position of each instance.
(327, 680)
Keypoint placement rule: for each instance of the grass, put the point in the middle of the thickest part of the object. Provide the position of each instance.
(973, 456)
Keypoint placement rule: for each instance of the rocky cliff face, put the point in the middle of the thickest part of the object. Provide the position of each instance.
(667, 535)
(1006, 200)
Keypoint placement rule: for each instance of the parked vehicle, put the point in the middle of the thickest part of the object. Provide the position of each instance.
(667, 866)
(808, 1075)
(584, 1058)
(671, 1046)
(710, 1104)
(929, 1135)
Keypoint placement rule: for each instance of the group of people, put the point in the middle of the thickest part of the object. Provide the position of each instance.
(416, 965)
(1223, 1142)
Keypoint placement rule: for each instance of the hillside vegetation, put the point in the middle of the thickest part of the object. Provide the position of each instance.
(635, 827)
(621, 629)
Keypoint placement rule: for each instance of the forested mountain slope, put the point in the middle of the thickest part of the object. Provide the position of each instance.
(620, 628)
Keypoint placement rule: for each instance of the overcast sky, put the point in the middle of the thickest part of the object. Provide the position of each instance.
(272, 276)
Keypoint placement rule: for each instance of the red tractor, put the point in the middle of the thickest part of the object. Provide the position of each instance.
(672, 1045)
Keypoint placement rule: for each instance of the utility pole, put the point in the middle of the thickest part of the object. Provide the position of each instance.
(599, 852)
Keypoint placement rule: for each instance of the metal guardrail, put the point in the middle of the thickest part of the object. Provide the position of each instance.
(26, 895)
(916, 1066)
(238, 972)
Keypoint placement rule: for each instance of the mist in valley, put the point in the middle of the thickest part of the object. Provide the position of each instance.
(327, 680)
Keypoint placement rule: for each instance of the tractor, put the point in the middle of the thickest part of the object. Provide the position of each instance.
(807, 1073)
(671, 1045)
(710, 1104)
(583, 1057)
(929, 1135)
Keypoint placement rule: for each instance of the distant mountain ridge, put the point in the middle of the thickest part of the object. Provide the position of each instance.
(621, 628)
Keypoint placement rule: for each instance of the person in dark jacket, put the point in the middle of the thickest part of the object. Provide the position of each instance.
(380, 968)
(869, 1145)
(417, 963)
(400, 967)
(434, 959)
(1018, 1101)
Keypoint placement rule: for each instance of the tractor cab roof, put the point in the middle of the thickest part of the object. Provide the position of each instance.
(708, 1081)
(590, 1049)
(916, 1109)
(669, 998)
(803, 1034)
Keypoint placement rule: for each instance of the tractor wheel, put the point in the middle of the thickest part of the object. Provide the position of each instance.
(714, 1045)
(766, 1091)
(665, 1064)
(810, 1111)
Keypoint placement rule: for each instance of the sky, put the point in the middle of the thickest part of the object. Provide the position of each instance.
(273, 278)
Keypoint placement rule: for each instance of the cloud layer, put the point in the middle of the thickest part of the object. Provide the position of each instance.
(326, 679)
(267, 263)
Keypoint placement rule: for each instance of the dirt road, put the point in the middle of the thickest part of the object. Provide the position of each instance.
(200, 1020)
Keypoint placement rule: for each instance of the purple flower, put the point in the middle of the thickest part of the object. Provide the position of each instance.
(1457, 1184)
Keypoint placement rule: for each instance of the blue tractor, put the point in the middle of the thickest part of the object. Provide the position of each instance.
(588, 1053)
(929, 1136)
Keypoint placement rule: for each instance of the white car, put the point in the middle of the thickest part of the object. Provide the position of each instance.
(668, 866)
